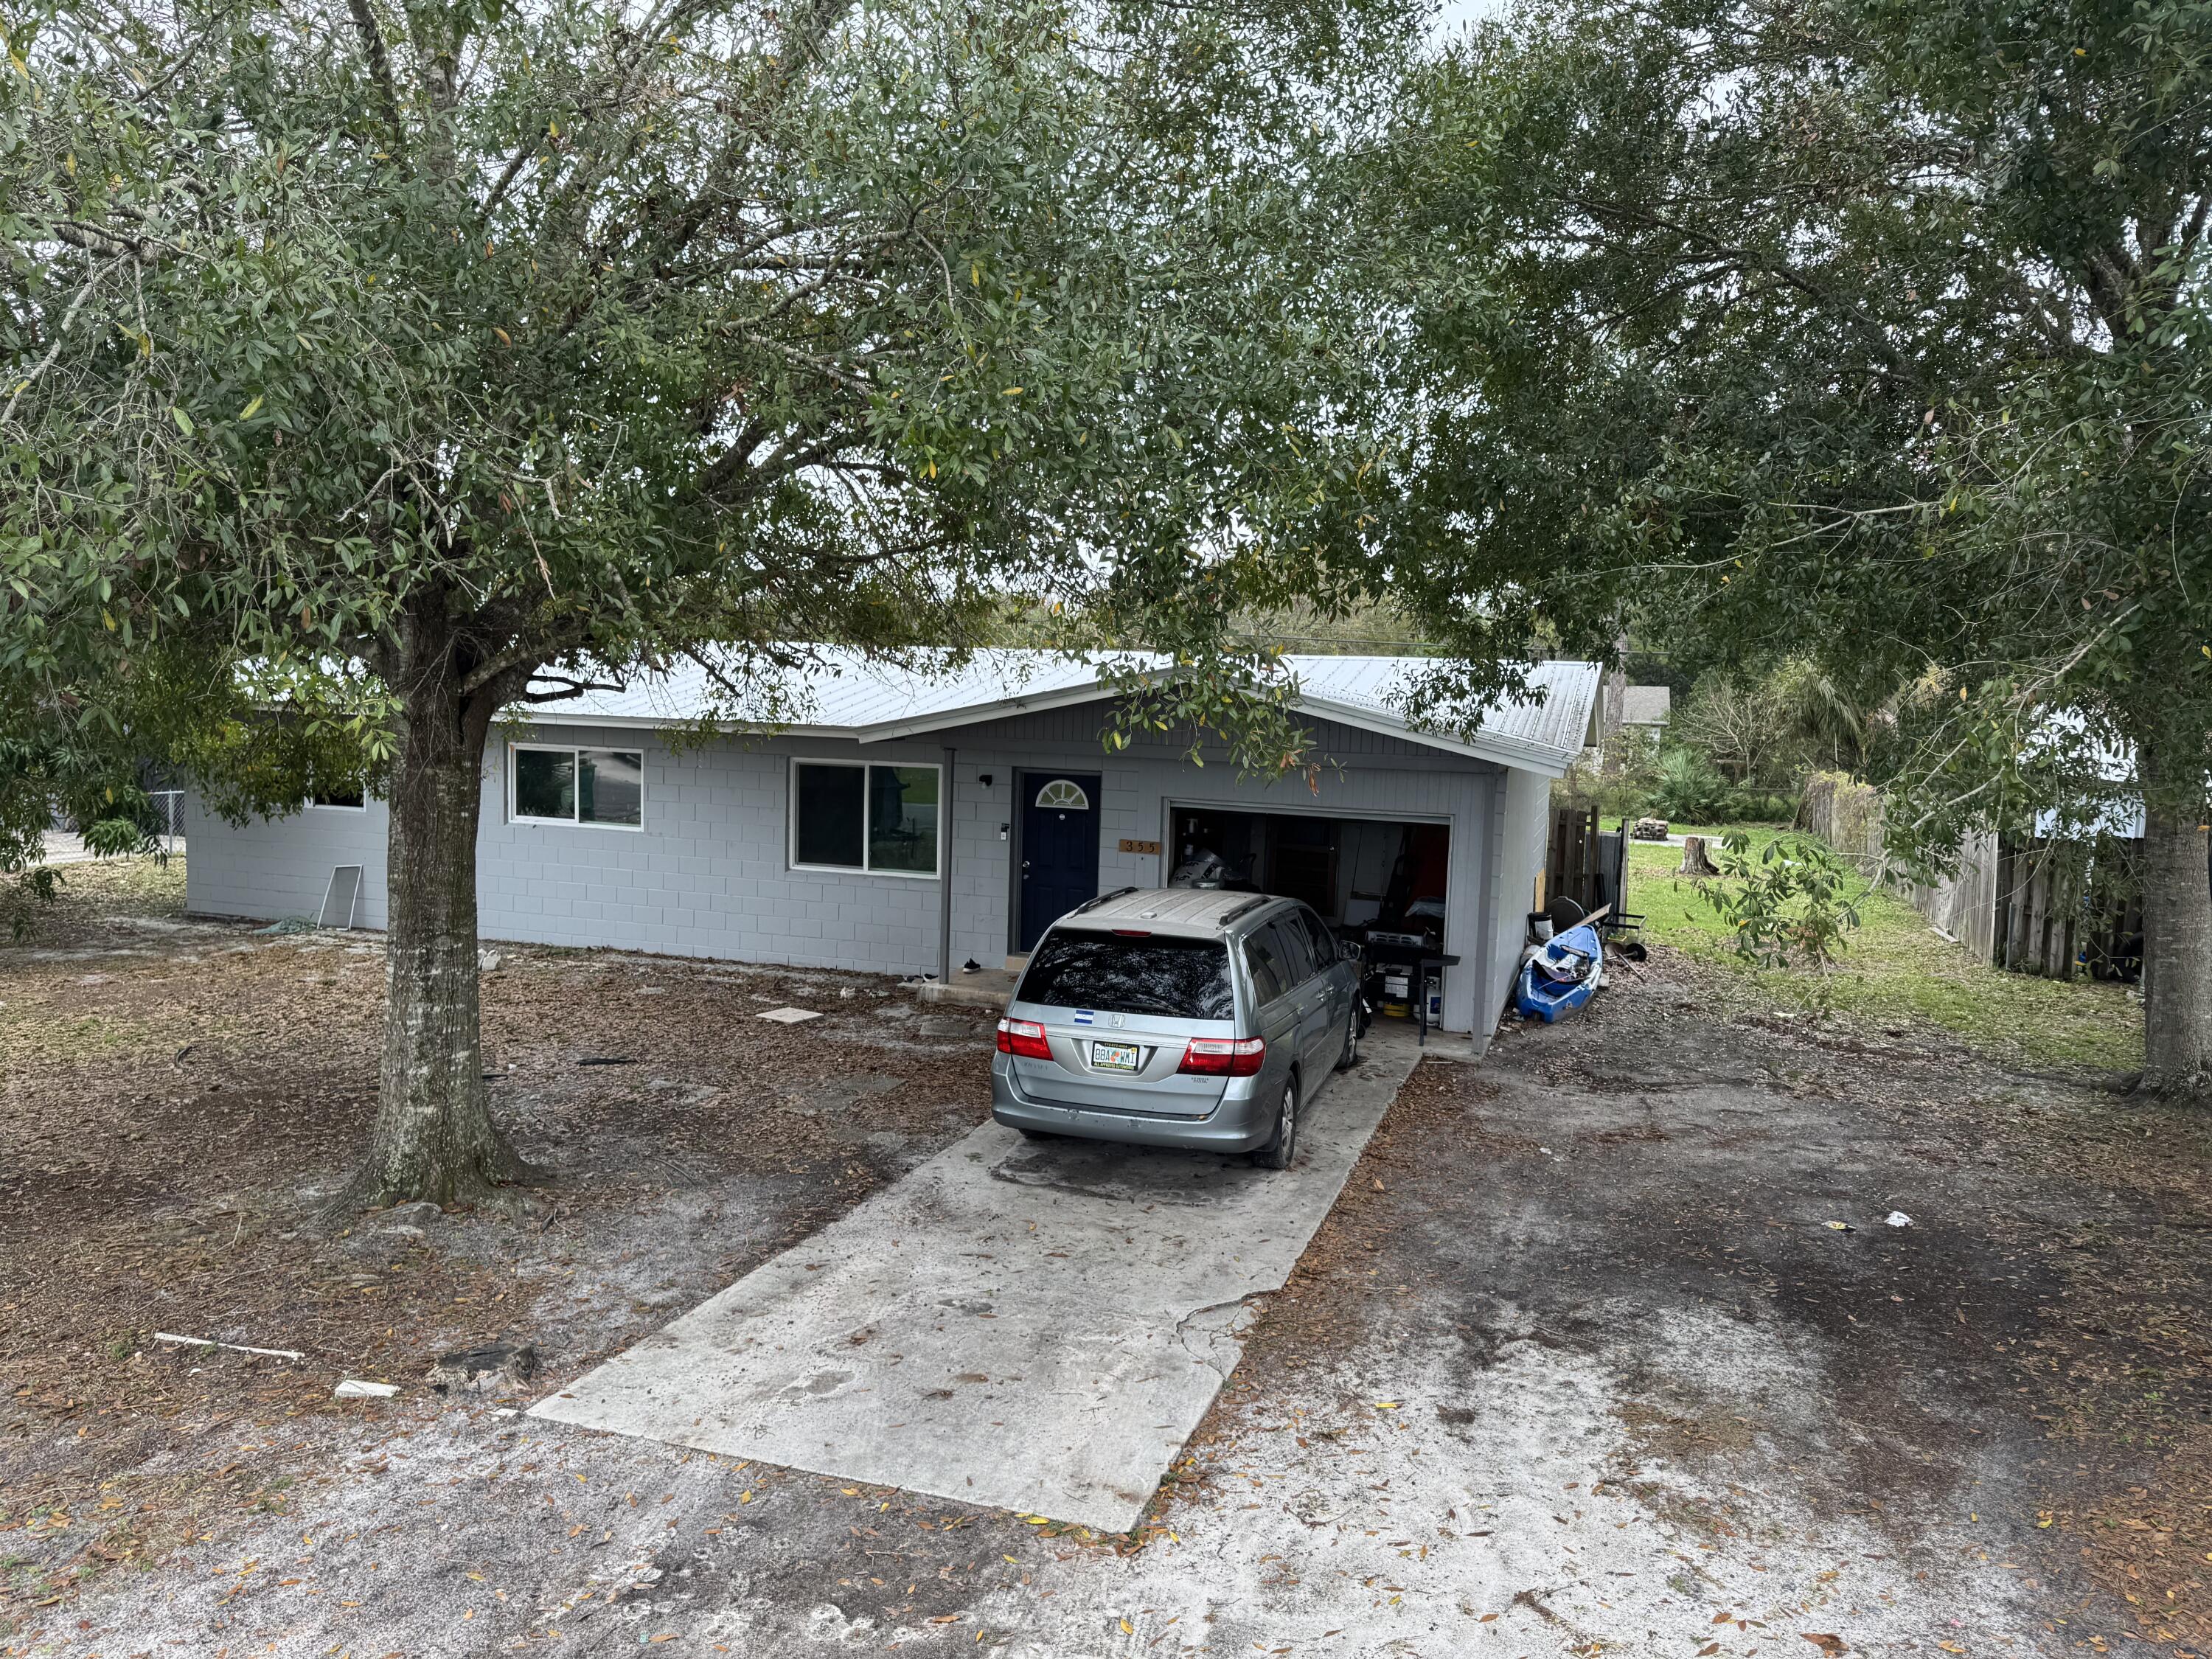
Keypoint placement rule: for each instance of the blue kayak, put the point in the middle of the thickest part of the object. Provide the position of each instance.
(1561, 974)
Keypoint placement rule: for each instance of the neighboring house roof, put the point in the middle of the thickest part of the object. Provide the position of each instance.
(1646, 705)
(843, 693)
(2121, 819)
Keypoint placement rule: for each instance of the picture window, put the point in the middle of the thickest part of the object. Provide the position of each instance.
(872, 818)
(561, 785)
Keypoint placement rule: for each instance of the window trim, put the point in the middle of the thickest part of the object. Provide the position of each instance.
(1038, 800)
(362, 805)
(868, 809)
(574, 752)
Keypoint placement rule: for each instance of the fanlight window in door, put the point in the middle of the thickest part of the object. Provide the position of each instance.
(1063, 794)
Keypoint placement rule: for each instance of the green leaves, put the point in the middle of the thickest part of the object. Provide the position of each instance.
(634, 352)
(1764, 336)
(1787, 907)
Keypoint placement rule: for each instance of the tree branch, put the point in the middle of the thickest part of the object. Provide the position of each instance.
(822, 366)
(60, 334)
(107, 244)
(1782, 270)
(507, 177)
(566, 687)
(379, 65)
(525, 653)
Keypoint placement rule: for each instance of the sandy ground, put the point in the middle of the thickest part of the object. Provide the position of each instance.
(1576, 1363)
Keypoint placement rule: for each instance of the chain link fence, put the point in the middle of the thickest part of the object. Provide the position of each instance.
(169, 815)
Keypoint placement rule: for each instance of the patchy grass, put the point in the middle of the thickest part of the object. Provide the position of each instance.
(1895, 970)
(29, 1032)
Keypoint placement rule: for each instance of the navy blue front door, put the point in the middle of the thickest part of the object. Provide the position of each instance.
(1060, 847)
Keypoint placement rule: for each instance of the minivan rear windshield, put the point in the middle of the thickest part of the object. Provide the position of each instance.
(1181, 978)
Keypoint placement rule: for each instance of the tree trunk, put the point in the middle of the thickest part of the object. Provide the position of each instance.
(434, 1137)
(1695, 861)
(2177, 901)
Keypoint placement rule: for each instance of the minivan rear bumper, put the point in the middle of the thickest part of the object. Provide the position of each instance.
(1238, 1123)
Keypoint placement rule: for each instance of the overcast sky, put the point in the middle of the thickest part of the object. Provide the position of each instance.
(1456, 13)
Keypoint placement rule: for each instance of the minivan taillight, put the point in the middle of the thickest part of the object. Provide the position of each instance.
(1024, 1037)
(1224, 1056)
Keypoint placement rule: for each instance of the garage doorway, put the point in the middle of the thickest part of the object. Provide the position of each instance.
(1362, 874)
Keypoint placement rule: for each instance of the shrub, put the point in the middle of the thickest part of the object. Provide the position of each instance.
(1754, 806)
(1785, 905)
(1687, 788)
(1617, 782)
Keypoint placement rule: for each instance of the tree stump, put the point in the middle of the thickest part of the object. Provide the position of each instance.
(1694, 859)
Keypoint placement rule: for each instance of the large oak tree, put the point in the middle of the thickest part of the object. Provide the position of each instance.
(447, 356)
(1867, 330)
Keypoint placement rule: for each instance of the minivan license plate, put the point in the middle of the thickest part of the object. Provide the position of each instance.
(1113, 1056)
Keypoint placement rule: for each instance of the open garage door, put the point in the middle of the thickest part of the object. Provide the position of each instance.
(1362, 874)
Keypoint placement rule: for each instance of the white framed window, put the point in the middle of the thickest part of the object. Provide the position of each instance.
(558, 783)
(340, 798)
(1064, 794)
(866, 817)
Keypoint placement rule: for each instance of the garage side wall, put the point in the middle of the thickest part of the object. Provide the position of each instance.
(1520, 840)
(268, 868)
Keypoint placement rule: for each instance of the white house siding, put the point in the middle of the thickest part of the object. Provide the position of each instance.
(270, 867)
(1519, 839)
(708, 875)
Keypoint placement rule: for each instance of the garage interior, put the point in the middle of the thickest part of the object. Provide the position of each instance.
(1363, 875)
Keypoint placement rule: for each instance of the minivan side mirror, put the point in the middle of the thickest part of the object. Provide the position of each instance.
(1347, 949)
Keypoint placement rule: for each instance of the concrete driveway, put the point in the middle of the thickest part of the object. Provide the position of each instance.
(1034, 1324)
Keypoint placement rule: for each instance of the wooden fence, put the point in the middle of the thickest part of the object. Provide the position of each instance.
(1847, 815)
(2068, 906)
(1585, 863)
(2053, 907)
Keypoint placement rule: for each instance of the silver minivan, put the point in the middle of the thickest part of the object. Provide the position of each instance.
(1178, 1017)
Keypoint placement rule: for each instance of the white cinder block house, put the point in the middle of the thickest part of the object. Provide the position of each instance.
(905, 823)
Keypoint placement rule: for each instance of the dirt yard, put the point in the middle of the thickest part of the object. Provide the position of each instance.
(1578, 1363)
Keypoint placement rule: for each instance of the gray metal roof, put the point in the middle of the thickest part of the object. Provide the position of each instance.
(841, 693)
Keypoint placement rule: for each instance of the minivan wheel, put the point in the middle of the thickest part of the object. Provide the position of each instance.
(1283, 1146)
(1350, 1057)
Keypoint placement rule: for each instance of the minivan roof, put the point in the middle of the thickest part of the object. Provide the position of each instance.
(1197, 912)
